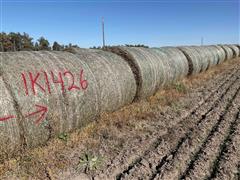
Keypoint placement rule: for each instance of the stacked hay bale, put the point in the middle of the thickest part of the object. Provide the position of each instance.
(235, 49)
(111, 82)
(151, 66)
(228, 51)
(194, 59)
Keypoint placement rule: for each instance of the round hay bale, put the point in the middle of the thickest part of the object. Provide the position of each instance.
(179, 59)
(221, 53)
(193, 58)
(113, 75)
(151, 68)
(204, 57)
(10, 131)
(238, 45)
(215, 57)
(228, 51)
(235, 49)
(67, 110)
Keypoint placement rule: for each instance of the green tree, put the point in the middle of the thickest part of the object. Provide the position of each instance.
(26, 42)
(43, 44)
(56, 46)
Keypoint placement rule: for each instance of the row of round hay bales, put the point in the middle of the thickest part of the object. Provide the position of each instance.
(110, 85)
(112, 78)
(154, 67)
(200, 58)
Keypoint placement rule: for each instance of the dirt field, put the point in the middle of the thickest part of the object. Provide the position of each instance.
(189, 130)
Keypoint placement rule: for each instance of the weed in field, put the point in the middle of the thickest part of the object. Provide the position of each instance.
(176, 107)
(89, 162)
(63, 136)
(180, 87)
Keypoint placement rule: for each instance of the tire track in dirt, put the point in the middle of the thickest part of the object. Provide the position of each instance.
(144, 166)
(203, 160)
(226, 166)
(123, 163)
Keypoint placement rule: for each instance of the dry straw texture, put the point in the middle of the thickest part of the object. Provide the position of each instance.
(194, 59)
(221, 53)
(115, 80)
(235, 49)
(179, 59)
(228, 51)
(152, 67)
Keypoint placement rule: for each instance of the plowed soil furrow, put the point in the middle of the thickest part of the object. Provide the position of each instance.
(125, 164)
(186, 152)
(203, 162)
(227, 164)
(172, 169)
(175, 137)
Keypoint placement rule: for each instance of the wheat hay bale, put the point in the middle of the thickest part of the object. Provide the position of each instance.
(193, 58)
(150, 66)
(215, 57)
(238, 45)
(204, 57)
(113, 75)
(221, 53)
(67, 110)
(11, 138)
(179, 59)
(235, 49)
(228, 51)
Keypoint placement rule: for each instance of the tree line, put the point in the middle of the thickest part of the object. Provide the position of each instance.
(23, 42)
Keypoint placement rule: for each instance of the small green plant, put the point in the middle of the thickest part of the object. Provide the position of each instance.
(63, 136)
(176, 106)
(180, 87)
(89, 162)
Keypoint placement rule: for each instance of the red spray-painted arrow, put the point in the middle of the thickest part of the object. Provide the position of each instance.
(41, 109)
(7, 118)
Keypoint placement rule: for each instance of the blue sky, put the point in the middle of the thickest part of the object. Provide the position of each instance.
(154, 23)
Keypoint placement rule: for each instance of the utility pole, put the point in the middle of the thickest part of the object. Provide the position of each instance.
(202, 41)
(103, 35)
